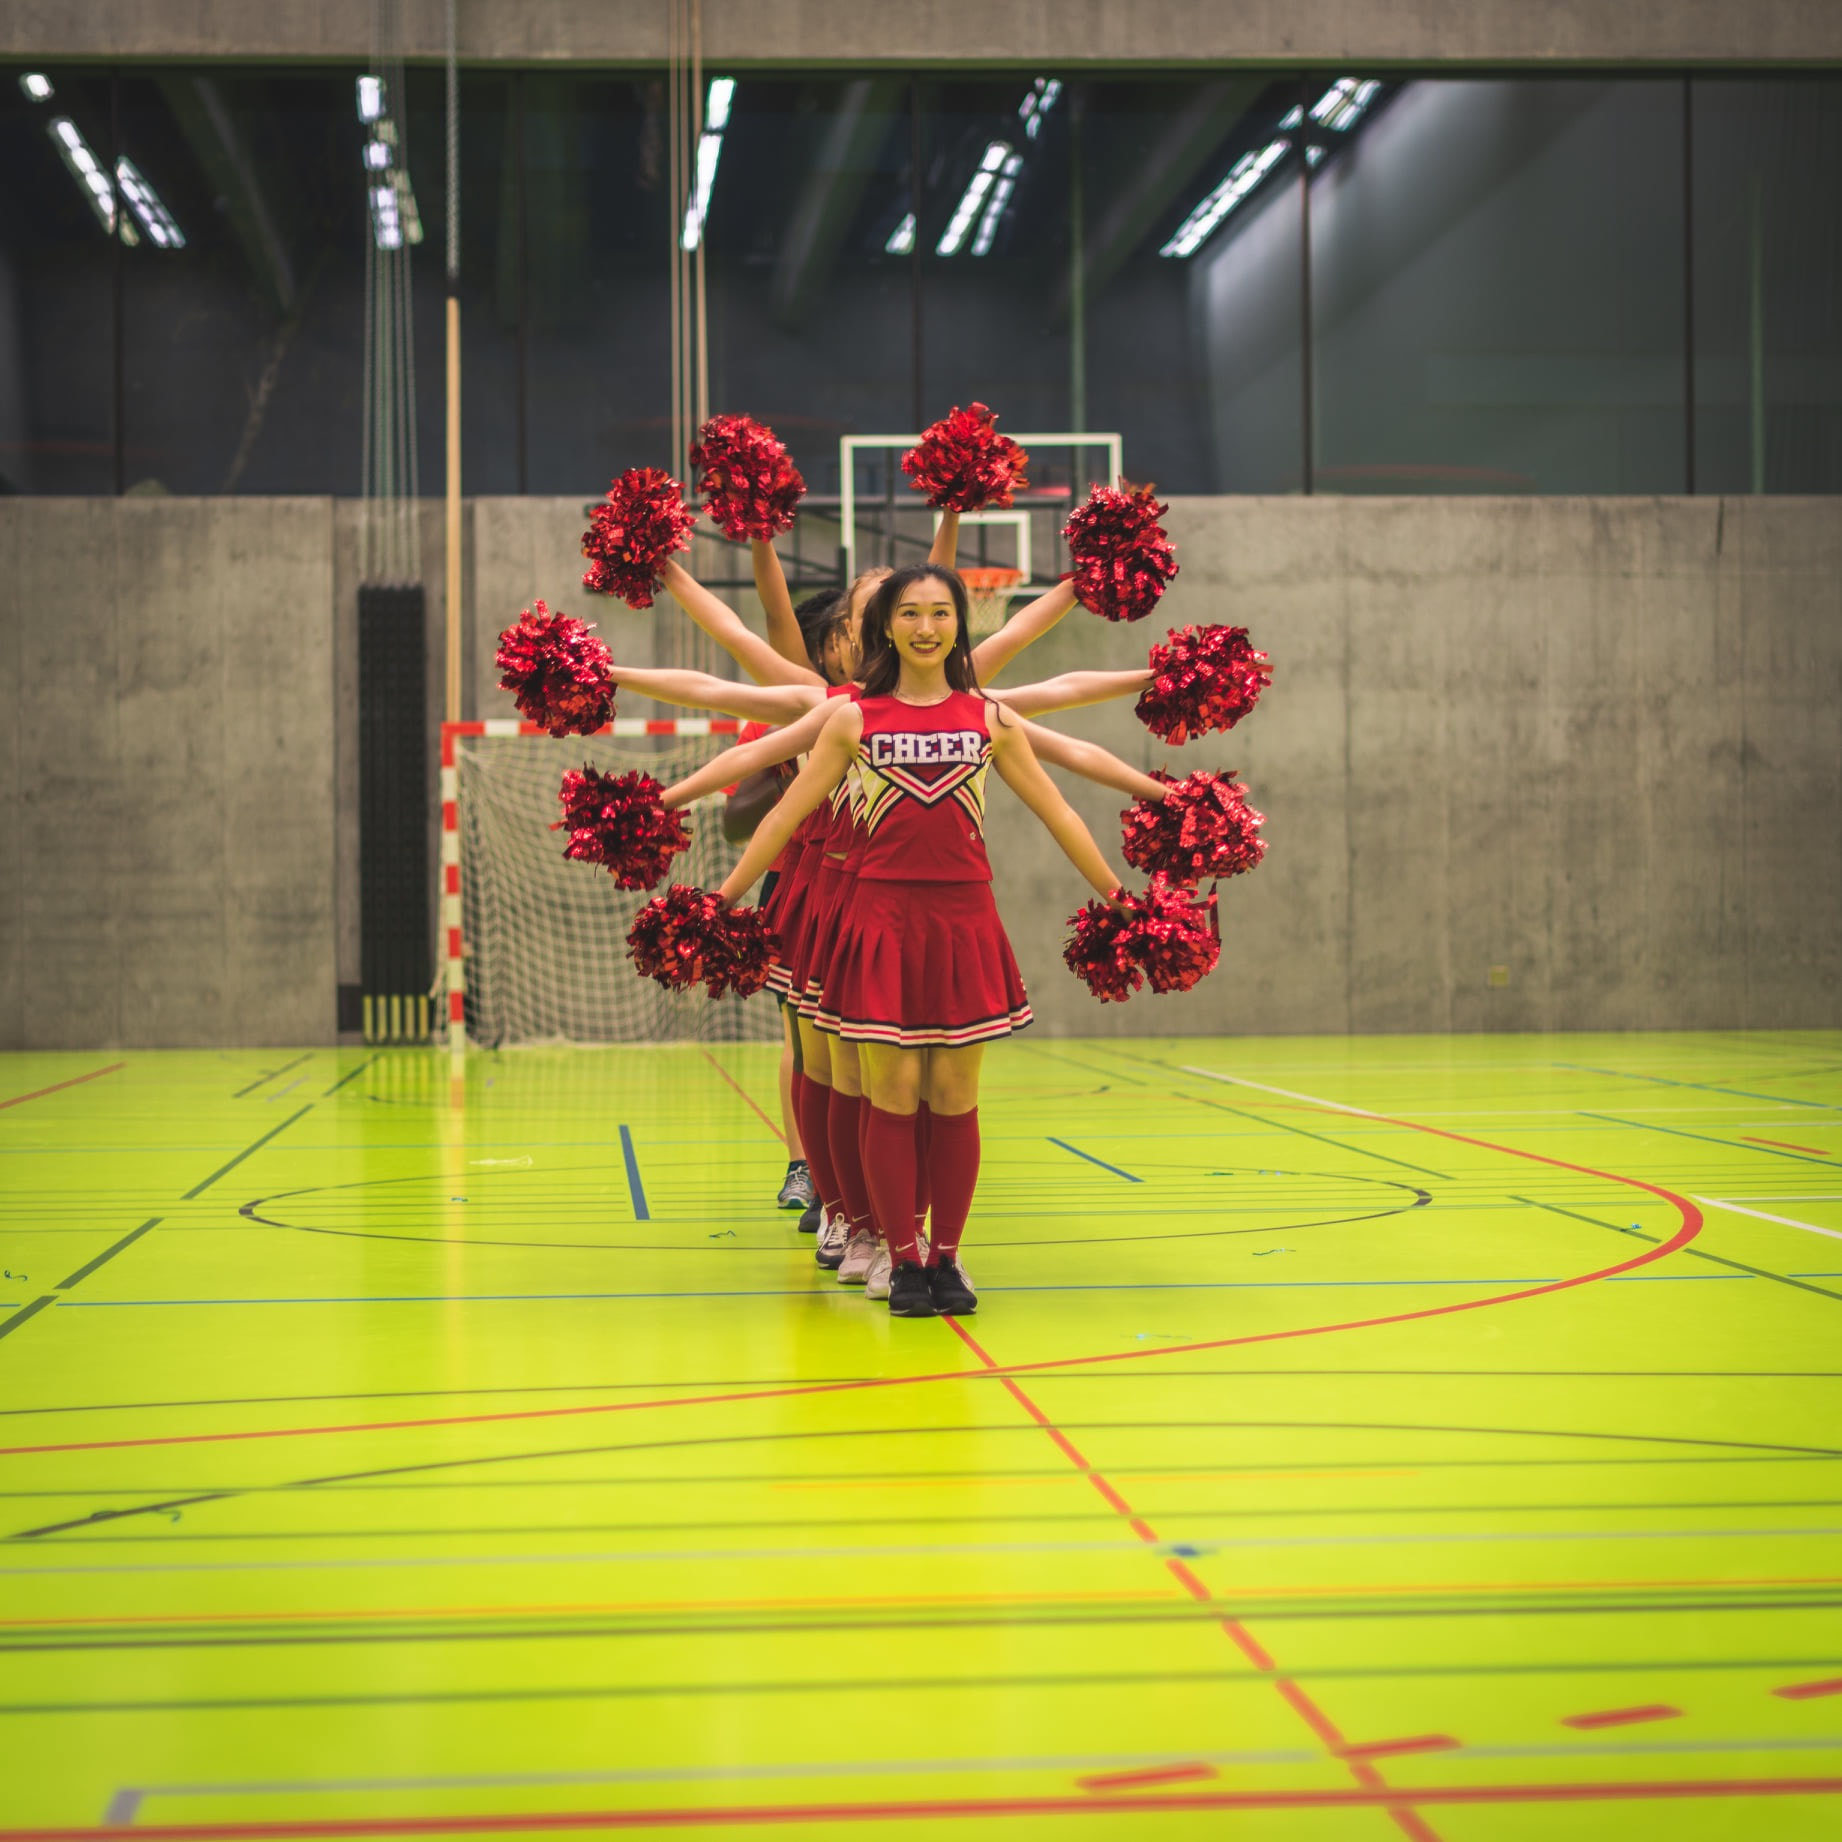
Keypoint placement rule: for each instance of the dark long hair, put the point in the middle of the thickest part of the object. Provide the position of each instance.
(820, 616)
(880, 670)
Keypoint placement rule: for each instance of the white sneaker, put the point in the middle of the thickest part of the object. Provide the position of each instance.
(834, 1232)
(876, 1282)
(859, 1250)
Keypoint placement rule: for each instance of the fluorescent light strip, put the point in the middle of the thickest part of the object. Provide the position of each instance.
(146, 204)
(1342, 105)
(36, 86)
(717, 105)
(91, 175)
(902, 238)
(994, 209)
(1040, 100)
(1246, 173)
(370, 98)
(974, 196)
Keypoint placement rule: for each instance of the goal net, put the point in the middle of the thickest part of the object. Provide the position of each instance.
(536, 946)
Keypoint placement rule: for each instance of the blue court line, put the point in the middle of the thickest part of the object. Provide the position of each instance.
(1745, 1093)
(1726, 1144)
(640, 1212)
(1089, 1156)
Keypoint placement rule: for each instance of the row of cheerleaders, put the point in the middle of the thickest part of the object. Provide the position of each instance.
(877, 930)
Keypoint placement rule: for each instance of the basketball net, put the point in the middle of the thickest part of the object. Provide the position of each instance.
(988, 591)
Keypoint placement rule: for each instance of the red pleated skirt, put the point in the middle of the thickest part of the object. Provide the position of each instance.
(832, 889)
(922, 965)
(786, 913)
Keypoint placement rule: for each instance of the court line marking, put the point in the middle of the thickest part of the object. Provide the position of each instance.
(1089, 1156)
(1323, 1729)
(635, 1189)
(108, 1254)
(353, 1076)
(1618, 1074)
(746, 1095)
(756, 1815)
(1726, 1144)
(1815, 1151)
(1783, 1221)
(1621, 1717)
(198, 1189)
(272, 1074)
(25, 1313)
(95, 1074)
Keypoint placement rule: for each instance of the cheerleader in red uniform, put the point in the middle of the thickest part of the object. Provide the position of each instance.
(921, 975)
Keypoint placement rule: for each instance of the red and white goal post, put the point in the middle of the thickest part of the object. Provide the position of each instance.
(534, 945)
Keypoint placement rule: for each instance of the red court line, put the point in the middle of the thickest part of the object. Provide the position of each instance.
(1157, 1774)
(1691, 1219)
(1297, 1698)
(756, 1815)
(1388, 1749)
(746, 1095)
(94, 1074)
(1809, 1691)
(1783, 1145)
(1622, 1717)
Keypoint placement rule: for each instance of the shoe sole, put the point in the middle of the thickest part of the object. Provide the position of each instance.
(910, 1311)
(829, 1264)
(956, 1311)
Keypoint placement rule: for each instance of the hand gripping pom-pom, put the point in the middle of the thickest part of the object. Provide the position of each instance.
(963, 464)
(1202, 828)
(632, 532)
(619, 822)
(1123, 562)
(685, 937)
(560, 674)
(747, 477)
(1205, 678)
(1166, 936)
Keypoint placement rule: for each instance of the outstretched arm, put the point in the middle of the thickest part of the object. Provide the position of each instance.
(777, 601)
(1028, 624)
(823, 770)
(751, 757)
(946, 542)
(1088, 759)
(759, 703)
(725, 626)
(1072, 690)
(1023, 774)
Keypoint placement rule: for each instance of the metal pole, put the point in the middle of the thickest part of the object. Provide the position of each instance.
(1688, 284)
(1077, 290)
(453, 572)
(118, 392)
(916, 186)
(1306, 393)
(521, 199)
(700, 401)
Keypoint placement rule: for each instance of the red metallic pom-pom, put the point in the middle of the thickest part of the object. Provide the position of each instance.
(685, 937)
(632, 532)
(1166, 936)
(1203, 827)
(963, 464)
(747, 477)
(1207, 678)
(619, 822)
(558, 671)
(1123, 562)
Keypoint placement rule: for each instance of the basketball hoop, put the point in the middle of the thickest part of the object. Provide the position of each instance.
(989, 590)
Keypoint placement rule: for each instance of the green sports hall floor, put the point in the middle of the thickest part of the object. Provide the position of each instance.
(1424, 1436)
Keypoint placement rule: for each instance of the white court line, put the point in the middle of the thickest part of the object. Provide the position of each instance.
(1336, 1106)
(1783, 1221)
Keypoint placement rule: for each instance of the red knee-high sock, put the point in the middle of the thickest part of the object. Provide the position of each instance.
(924, 1182)
(813, 1105)
(954, 1145)
(847, 1159)
(889, 1164)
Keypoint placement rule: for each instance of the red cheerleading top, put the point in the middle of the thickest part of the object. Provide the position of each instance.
(812, 832)
(923, 770)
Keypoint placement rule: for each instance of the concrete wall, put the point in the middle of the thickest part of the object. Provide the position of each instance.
(1067, 34)
(1596, 743)
(166, 778)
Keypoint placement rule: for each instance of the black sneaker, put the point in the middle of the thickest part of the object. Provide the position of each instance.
(908, 1292)
(951, 1290)
(809, 1222)
(797, 1191)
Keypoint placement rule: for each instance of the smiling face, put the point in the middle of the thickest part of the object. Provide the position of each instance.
(924, 624)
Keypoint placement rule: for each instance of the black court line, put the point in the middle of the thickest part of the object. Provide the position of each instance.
(223, 1170)
(1726, 1144)
(26, 1312)
(353, 1076)
(634, 1187)
(1758, 1272)
(1285, 1125)
(1089, 1156)
(273, 1074)
(108, 1254)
